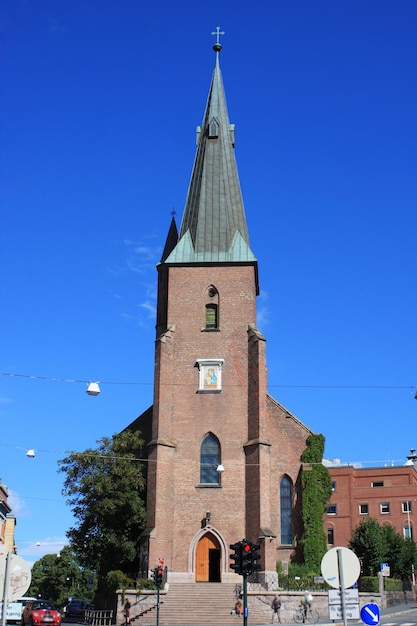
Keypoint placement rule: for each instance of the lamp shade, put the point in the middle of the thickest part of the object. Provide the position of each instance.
(93, 389)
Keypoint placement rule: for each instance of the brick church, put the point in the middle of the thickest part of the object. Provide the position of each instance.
(223, 454)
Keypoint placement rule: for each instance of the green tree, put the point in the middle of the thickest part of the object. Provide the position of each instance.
(57, 576)
(370, 545)
(407, 562)
(394, 543)
(106, 489)
(374, 544)
(317, 490)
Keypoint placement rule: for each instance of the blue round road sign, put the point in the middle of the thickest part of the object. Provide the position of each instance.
(370, 614)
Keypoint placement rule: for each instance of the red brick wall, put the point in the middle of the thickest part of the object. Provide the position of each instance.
(260, 441)
(353, 488)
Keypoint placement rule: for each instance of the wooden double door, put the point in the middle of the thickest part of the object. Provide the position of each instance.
(207, 560)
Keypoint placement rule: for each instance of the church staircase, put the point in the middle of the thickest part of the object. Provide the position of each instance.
(201, 603)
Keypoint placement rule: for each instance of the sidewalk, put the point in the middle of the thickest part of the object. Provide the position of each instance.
(386, 614)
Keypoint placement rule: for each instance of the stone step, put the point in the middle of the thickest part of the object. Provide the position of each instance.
(201, 603)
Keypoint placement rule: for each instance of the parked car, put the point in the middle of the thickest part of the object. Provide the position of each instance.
(76, 608)
(38, 612)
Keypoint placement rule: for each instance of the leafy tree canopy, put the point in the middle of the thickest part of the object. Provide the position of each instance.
(374, 544)
(105, 488)
(56, 577)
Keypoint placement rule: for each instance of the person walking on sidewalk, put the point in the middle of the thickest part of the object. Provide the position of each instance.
(276, 609)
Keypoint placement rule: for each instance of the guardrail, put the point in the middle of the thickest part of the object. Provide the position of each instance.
(98, 618)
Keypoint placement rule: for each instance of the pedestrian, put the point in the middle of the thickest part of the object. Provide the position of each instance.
(276, 609)
(239, 607)
(305, 602)
(126, 611)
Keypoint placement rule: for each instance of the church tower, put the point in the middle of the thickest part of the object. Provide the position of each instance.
(223, 455)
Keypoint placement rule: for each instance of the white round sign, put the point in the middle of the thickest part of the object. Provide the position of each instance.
(350, 565)
(19, 577)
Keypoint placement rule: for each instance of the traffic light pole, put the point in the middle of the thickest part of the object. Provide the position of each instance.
(157, 608)
(245, 601)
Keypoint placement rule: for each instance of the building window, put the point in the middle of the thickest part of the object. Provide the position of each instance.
(332, 509)
(211, 321)
(330, 536)
(210, 375)
(209, 461)
(408, 532)
(384, 507)
(406, 506)
(333, 485)
(285, 497)
(211, 316)
(363, 509)
(377, 483)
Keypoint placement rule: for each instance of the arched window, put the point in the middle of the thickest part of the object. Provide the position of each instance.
(285, 498)
(212, 309)
(209, 460)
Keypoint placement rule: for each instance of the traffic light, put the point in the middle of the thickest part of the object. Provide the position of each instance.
(154, 574)
(159, 578)
(256, 557)
(246, 557)
(236, 557)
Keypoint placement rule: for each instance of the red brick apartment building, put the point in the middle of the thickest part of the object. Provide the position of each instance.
(387, 494)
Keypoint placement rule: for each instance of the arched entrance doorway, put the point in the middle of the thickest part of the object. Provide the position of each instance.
(207, 560)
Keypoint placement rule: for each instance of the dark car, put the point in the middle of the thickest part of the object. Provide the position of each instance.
(38, 612)
(76, 608)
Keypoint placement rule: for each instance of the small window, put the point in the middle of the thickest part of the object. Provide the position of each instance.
(333, 485)
(408, 532)
(213, 129)
(377, 483)
(330, 536)
(406, 506)
(211, 316)
(211, 311)
(384, 507)
(332, 509)
(363, 509)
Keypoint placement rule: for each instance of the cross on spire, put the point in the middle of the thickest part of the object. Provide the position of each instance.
(218, 32)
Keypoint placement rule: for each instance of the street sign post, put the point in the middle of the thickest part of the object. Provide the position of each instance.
(370, 614)
(15, 580)
(341, 568)
(351, 604)
(351, 567)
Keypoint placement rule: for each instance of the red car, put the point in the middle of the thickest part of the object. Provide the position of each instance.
(38, 612)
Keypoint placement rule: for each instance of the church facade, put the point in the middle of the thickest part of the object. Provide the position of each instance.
(223, 454)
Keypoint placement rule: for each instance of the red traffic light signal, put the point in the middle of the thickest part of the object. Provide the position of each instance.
(159, 577)
(246, 557)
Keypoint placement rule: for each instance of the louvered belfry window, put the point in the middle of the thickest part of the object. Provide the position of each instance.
(211, 316)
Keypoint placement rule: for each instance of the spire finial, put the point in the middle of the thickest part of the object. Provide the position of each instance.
(217, 46)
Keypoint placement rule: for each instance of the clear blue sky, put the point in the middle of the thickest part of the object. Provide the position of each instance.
(100, 101)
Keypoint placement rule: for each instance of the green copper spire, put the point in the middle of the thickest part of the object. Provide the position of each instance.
(213, 228)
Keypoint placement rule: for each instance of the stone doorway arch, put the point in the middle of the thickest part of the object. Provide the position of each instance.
(208, 556)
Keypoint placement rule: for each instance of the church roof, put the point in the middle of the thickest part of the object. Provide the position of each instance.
(213, 228)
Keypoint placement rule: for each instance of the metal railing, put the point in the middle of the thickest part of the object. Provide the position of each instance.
(98, 618)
